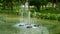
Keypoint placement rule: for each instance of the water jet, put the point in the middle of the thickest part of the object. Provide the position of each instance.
(28, 27)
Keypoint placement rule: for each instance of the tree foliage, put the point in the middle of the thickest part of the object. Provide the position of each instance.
(11, 3)
(38, 3)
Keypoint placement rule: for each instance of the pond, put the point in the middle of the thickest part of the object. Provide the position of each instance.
(8, 26)
(31, 28)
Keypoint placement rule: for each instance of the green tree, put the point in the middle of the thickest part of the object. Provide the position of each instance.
(38, 3)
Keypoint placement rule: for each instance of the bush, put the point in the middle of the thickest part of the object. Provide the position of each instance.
(46, 16)
(59, 18)
(52, 17)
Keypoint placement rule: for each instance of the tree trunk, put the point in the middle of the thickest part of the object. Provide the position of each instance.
(38, 8)
(42, 7)
(54, 2)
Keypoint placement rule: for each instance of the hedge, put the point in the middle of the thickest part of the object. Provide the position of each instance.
(46, 16)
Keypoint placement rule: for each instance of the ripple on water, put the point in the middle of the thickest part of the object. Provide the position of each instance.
(32, 30)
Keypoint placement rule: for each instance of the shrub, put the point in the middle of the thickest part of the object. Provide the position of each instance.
(59, 18)
(52, 17)
(41, 16)
(46, 16)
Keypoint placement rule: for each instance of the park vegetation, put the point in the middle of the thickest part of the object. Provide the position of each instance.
(46, 9)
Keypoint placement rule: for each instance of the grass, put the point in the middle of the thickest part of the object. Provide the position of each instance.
(8, 20)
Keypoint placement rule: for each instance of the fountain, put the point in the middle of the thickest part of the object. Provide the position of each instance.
(26, 27)
(27, 23)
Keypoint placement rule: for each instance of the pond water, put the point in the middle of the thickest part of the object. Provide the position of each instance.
(37, 29)
(32, 30)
